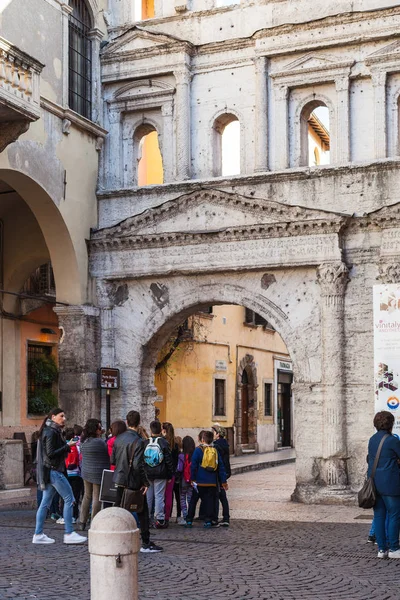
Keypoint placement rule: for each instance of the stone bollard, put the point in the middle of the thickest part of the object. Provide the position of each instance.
(113, 547)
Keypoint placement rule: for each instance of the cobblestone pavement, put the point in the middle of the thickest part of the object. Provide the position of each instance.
(250, 560)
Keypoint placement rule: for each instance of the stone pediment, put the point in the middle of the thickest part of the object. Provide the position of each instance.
(213, 211)
(144, 87)
(137, 39)
(385, 54)
(313, 64)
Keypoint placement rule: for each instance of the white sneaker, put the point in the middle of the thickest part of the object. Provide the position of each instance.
(384, 554)
(41, 538)
(73, 520)
(60, 521)
(74, 538)
(394, 553)
(181, 521)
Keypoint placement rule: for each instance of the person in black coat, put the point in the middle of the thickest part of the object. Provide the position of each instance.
(128, 457)
(52, 450)
(223, 449)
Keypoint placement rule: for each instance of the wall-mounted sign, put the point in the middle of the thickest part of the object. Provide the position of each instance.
(220, 365)
(284, 366)
(109, 378)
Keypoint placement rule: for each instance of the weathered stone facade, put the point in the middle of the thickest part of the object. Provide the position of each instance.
(326, 234)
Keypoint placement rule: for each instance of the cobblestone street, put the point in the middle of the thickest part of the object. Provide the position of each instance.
(268, 560)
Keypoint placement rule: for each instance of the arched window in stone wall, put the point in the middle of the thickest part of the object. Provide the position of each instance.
(226, 154)
(144, 9)
(149, 159)
(80, 59)
(315, 137)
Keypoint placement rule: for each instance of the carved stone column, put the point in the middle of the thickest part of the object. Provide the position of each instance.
(261, 117)
(342, 120)
(333, 279)
(96, 35)
(379, 86)
(66, 11)
(79, 361)
(182, 119)
(281, 127)
(168, 136)
(113, 158)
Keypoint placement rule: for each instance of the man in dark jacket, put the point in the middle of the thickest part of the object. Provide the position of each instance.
(133, 477)
(223, 448)
(159, 470)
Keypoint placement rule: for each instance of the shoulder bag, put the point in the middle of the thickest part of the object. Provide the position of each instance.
(367, 494)
(132, 500)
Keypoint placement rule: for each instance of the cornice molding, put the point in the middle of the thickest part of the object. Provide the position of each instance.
(80, 122)
(113, 243)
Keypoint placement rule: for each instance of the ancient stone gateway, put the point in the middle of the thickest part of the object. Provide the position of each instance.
(285, 263)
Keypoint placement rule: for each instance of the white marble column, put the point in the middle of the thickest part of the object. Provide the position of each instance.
(182, 120)
(113, 158)
(342, 121)
(96, 35)
(333, 279)
(167, 142)
(261, 115)
(379, 87)
(281, 127)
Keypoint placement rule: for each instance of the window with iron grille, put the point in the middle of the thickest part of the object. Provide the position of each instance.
(267, 399)
(41, 282)
(36, 351)
(219, 397)
(80, 59)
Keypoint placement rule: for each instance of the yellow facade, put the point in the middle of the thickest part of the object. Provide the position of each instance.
(221, 342)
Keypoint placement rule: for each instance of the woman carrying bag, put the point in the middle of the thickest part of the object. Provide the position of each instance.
(387, 485)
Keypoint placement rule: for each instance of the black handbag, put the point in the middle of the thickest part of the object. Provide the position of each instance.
(132, 500)
(367, 494)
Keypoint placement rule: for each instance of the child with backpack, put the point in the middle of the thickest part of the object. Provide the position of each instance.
(159, 470)
(207, 469)
(183, 470)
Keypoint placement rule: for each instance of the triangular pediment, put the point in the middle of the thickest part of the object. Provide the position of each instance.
(207, 211)
(389, 52)
(143, 87)
(138, 38)
(310, 61)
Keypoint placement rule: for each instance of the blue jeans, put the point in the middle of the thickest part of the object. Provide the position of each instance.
(387, 507)
(58, 483)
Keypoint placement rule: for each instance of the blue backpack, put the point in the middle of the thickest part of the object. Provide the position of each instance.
(153, 455)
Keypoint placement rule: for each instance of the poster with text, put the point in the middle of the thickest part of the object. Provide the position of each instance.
(387, 350)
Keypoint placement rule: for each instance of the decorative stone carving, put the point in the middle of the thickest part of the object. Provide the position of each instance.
(10, 132)
(389, 273)
(66, 126)
(333, 279)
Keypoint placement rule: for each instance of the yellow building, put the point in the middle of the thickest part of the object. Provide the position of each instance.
(228, 366)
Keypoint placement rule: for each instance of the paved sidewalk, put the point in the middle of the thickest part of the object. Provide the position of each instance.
(255, 462)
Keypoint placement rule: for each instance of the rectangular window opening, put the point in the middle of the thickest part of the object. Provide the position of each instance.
(267, 399)
(219, 403)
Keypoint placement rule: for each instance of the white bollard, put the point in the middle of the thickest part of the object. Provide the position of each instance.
(113, 547)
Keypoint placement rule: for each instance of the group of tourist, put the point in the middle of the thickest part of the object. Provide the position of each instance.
(70, 466)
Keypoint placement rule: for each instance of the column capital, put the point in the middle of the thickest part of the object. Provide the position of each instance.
(342, 84)
(378, 78)
(389, 272)
(281, 92)
(333, 279)
(182, 76)
(260, 64)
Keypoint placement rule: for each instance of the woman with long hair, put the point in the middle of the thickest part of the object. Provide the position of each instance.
(117, 427)
(95, 459)
(52, 450)
(185, 486)
(167, 431)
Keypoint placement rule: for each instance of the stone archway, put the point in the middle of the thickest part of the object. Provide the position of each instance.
(246, 405)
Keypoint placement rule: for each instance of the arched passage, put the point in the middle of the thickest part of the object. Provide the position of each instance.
(255, 428)
(70, 282)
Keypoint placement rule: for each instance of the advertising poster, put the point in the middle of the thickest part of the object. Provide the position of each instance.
(387, 350)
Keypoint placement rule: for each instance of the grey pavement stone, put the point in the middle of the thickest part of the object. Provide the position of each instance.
(250, 560)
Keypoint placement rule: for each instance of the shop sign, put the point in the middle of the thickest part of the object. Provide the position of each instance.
(109, 378)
